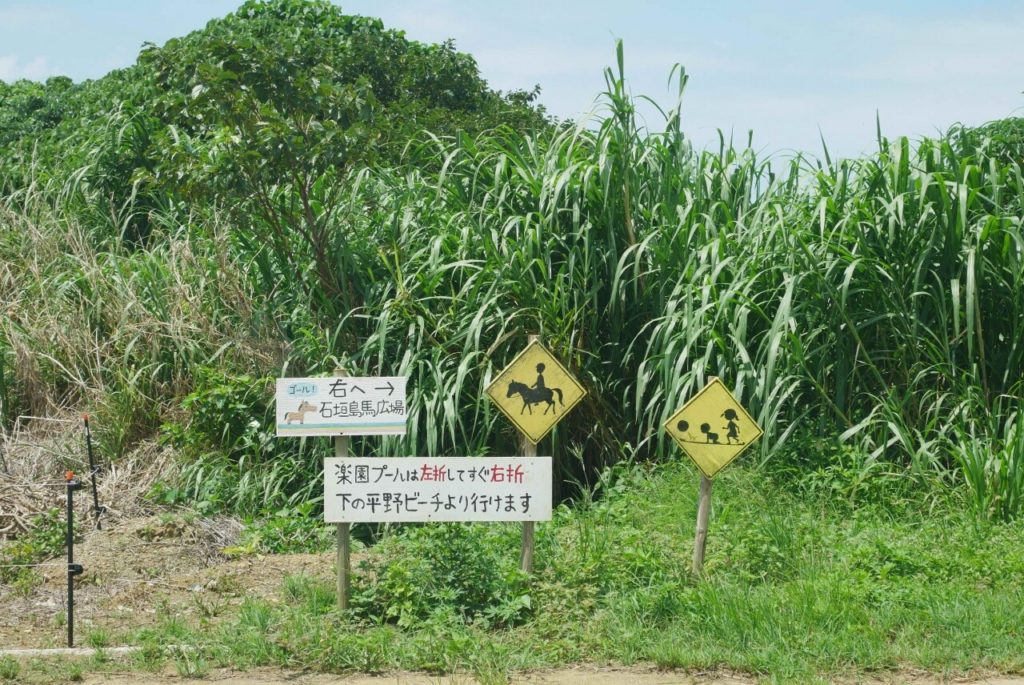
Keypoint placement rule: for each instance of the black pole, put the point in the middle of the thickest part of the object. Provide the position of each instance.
(96, 508)
(73, 568)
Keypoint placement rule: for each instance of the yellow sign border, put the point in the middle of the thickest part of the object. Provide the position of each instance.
(675, 415)
(497, 379)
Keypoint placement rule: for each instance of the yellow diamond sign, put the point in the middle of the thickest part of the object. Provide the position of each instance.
(713, 428)
(535, 391)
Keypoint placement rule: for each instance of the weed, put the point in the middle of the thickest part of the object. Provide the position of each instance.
(316, 596)
(423, 572)
(100, 658)
(256, 616)
(97, 638)
(9, 668)
(288, 530)
(208, 607)
(74, 671)
(149, 657)
(45, 540)
(189, 663)
(994, 471)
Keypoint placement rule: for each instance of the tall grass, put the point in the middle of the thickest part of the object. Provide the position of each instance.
(993, 468)
(110, 328)
(879, 299)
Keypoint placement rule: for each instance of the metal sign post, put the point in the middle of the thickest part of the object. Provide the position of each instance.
(73, 568)
(97, 510)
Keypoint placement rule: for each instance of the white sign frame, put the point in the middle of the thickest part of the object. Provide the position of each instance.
(341, 405)
(420, 489)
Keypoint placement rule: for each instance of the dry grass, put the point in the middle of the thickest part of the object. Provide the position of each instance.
(35, 456)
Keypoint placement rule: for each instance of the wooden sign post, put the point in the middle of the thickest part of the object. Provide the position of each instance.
(712, 429)
(535, 392)
(700, 543)
(527, 449)
(343, 553)
(341, 406)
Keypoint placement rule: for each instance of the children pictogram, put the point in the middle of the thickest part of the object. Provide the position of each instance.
(723, 428)
(712, 438)
(733, 428)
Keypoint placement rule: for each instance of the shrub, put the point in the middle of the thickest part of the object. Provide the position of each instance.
(443, 571)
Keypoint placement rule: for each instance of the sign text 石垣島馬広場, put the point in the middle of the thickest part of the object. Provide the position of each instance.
(374, 405)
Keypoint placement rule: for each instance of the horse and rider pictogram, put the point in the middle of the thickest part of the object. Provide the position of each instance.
(535, 391)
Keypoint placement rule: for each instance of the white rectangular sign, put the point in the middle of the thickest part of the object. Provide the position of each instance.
(341, 406)
(371, 490)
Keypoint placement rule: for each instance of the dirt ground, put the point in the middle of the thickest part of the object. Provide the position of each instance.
(136, 565)
(133, 567)
(141, 562)
(143, 558)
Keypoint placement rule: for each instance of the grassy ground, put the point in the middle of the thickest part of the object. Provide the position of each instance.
(800, 585)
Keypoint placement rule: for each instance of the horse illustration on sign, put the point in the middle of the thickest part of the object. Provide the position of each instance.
(300, 414)
(532, 396)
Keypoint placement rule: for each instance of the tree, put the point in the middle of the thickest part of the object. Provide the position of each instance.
(268, 109)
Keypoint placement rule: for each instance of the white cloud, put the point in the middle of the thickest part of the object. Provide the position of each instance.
(12, 69)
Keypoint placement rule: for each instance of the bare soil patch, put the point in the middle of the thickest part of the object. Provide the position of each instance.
(35, 456)
(135, 567)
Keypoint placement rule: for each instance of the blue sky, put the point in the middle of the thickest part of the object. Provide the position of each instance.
(785, 69)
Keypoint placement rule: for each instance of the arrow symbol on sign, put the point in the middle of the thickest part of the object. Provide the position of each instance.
(390, 388)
